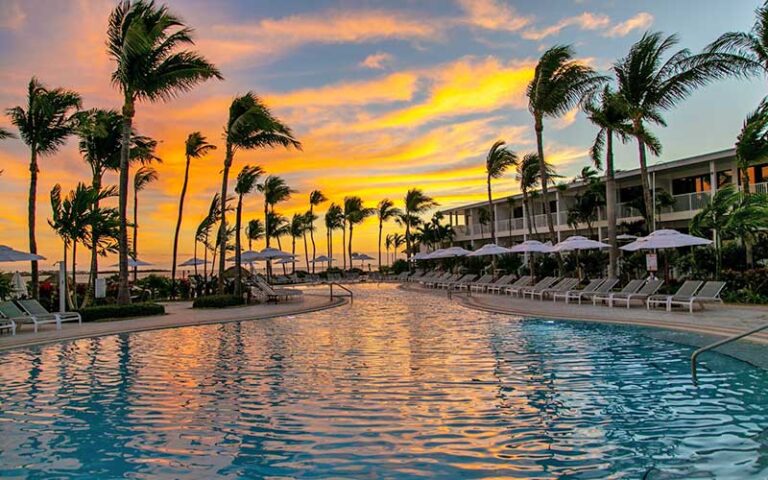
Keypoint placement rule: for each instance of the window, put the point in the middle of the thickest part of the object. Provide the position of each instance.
(627, 194)
(694, 184)
(757, 174)
(724, 178)
(517, 212)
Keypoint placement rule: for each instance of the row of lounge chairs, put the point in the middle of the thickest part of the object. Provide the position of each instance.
(598, 291)
(30, 311)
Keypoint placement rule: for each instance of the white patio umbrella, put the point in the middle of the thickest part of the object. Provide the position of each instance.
(321, 259)
(625, 237)
(286, 260)
(8, 254)
(271, 254)
(420, 256)
(577, 242)
(132, 263)
(661, 239)
(451, 252)
(531, 247)
(192, 262)
(19, 286)
(489, 249)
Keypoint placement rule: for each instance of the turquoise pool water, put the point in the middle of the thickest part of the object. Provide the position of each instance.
(397, 385)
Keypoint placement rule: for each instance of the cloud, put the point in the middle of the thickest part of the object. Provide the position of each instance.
(12, 16)
(377, 61)
(566, 120)
(585, 21)
(493, 15)
(641, 21)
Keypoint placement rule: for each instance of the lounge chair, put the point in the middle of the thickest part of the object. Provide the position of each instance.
(452, 280)
(480, 283)
(502, 284)
(431, 280)
(650, 288)
(631, 287)
(709, 293)
(562, 286)
(275, 294)
(486, 281)
(8, 324)
(592, 286)
(604, 288)
(686, 290)
(14, 312)
(436, 281)
(545, 282)
(462, 282)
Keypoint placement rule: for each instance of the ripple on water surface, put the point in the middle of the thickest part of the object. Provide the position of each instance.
(397, 385)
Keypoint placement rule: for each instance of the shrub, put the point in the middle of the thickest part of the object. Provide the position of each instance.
(217, 301)
(399, 266)
(746, 286)
(99, 312)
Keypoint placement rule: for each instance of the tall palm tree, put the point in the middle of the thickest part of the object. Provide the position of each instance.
(416, 203)
(144, 40)
(254, 231)
(397, 241)
(609, 115)
(203, 232)
(388, 245)
(648, 85)
(250, 126)
(498, 160)
(275, 190)
(43, 125)
(386, 211)
(246, 183)
(196, 146)
(752, 142)
(354, 213)
(528, 174)
(277, 226)
(558, 85)
(315, 198)
(143, 177)
(483, 218)
(746, 53)
(333, 221)
(309, 226)
(296, 230)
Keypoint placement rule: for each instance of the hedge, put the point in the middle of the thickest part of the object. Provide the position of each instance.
(99, 312)
(218, 301)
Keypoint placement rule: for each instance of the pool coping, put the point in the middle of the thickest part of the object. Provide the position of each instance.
(131, 327)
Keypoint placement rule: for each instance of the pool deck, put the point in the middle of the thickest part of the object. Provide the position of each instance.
(715, 321)
(178, 314)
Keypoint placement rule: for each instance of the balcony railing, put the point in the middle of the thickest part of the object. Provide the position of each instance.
(690, 201)
(761, 187)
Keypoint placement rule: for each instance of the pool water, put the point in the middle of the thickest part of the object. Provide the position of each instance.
(396, 385)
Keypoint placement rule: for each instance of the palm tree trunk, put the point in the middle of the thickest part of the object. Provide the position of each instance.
(205, 258)
(527, 207)
(238, 220)
(610, 206)
(178, 227)
(312, 238)
(381, 226)
(407, 237)
(195, 255)
(74, 275)
(349, 248)
(93, 272)
(745, 179)
(491, 212)
(123, 292)
(344, 243)
(650, 210)
(135, 232)
(223, 228)
(329, 246)
(306, 252)
(31, 215)
(544, 178)
(293, 252)
(280, 247)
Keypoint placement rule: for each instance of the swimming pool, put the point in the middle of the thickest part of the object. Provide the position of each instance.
(397, 385)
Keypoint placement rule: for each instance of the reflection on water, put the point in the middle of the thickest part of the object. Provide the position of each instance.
(397, 385)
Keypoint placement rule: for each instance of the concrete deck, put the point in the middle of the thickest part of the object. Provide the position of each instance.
(716, 320)
(178, 314)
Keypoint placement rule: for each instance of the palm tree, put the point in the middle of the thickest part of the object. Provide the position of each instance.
(315, 198)
(559, 83)
(203, 232)
(254, 231)
(309, 226)
(144, 40)
(276, 226)
(648, 85)
(43, 125)
(196, 146)
(745, 52)
(334, 219)
(388, 241)
(397, 241)
(143, 177)
(246, 183)
(275, 191)
(483, 218)
(732, 214)
(354, 213)
(296, 230)
(609, 115)
(385, 211)
(752, 142)
(416, 203)
(250, 126)
(499, 159)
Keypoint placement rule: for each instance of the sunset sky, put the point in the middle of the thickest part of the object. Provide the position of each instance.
(384, 96)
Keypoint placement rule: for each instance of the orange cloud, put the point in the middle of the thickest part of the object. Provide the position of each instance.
(377, 61)
(641, 21)
(493, 15)
(585, 21)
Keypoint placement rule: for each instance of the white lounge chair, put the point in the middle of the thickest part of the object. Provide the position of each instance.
(562, 286)
(631, 287)
(501, 284)
(604, 288)
(36, 314)
(686, 290)
(592, 286)
(709, 293)
(545, 282)
(8, 324)
(478, 284)
(650, 288)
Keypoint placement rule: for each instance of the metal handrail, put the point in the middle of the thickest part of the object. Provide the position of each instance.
(719, 344)
(351, 295)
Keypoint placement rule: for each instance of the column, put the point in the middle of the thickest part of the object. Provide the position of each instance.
(557, 214)
(713, 177)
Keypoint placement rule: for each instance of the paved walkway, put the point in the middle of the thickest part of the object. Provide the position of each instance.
(715, 320)
(178, 314)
